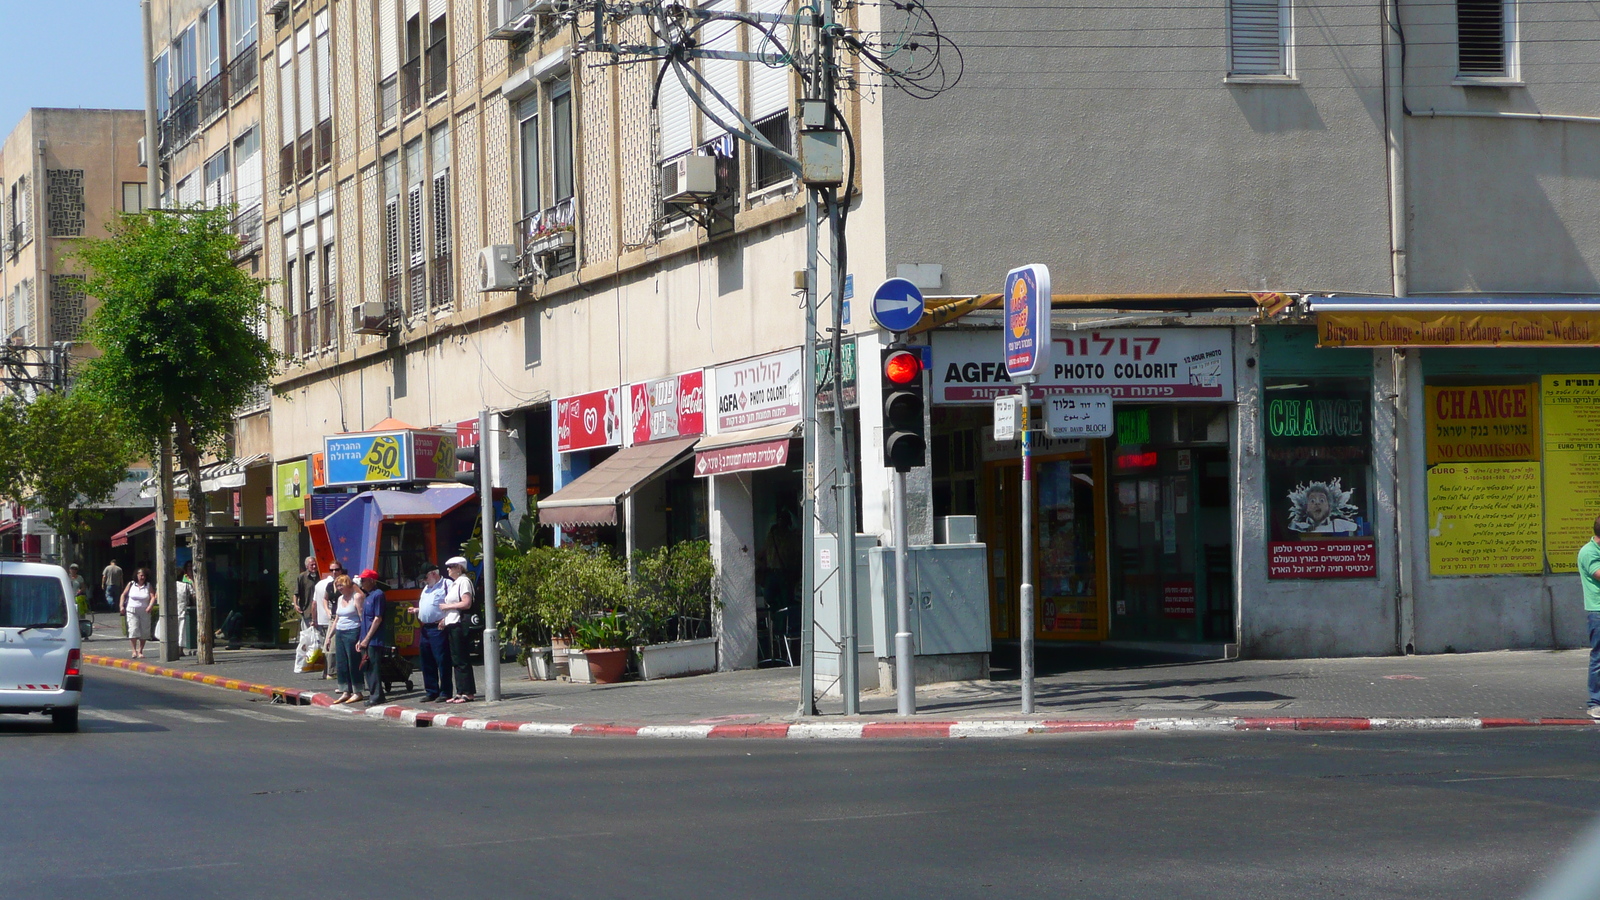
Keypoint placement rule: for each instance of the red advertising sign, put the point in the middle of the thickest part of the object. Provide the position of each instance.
(433, 455)
(1177, 599)
(1347, 558)
(466, 436)
(589, 420)
(668, 407)
(743, 458)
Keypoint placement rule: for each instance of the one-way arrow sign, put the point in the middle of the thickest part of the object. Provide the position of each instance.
(897, 305)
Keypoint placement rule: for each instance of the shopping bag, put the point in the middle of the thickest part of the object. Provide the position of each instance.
(302, 650)
(315, 661)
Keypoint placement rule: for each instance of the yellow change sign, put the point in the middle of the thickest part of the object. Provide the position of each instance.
(1484, 519)
(1571, 465)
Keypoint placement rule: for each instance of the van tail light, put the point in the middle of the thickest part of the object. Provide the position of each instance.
(73, 679)
(73, 658)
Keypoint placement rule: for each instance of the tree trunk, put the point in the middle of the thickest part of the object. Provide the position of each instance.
(165, 553)
(200, 515)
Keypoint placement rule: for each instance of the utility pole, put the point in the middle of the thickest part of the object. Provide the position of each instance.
(491, 630)
(166, 539)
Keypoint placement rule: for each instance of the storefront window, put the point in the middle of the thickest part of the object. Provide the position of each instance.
(1319, 464)
(402, 553)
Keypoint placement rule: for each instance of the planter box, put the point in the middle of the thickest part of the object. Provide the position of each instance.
(550, 243)
(541, 666)
(578, 668)
(677, 658)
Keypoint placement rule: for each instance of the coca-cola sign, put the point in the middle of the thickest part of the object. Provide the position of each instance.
(668, 407)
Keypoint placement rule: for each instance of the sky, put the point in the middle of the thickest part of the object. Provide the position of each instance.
(71, 53)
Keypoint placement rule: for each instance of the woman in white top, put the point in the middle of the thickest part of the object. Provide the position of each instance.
(346, 631)
(135, 604)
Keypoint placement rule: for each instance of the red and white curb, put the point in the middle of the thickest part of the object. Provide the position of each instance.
(850, 730)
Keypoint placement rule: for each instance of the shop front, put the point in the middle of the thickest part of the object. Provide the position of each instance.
(1133, 533)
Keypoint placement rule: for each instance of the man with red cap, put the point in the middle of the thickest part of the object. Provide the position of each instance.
(371, 644)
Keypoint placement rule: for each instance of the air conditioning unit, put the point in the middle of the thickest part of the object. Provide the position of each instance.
(497, 268)
(510, 19)
(277, 7)
(689, 179)
(371, 317)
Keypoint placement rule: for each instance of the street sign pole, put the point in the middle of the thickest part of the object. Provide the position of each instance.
(1027, 552)
(904, 663)
(491, 631)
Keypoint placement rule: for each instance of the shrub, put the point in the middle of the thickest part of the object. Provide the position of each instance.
(674, 590)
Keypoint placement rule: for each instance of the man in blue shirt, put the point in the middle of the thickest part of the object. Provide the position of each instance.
(371, 644)
(1589, 577)
(435, 650)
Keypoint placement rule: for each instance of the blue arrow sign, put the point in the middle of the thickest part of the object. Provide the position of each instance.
(897, 305)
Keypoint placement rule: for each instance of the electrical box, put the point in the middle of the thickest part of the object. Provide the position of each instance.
(497, 268)
(949, 599)
(825, 626)
(689, 179)
(821, 155)
(955, 530)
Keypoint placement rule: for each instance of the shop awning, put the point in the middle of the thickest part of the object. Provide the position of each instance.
(120, 539)
(766, 447)
(219, 476)
(592, 498)
(1448, 321)
(1449, 304)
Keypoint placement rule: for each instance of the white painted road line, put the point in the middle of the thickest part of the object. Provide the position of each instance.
(187, 716)
(257, 715)
(108, 716)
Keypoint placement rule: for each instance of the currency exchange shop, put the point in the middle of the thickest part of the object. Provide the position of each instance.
(1134, 533)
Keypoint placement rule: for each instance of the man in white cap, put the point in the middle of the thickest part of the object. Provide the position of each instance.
(457, 603)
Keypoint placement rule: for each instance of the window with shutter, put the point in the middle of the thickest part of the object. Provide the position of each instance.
(414, 247)
(769, 85)
(330, 297)
(722, 74)
(391, 254)
(1481, 38)
(1258, 37)
(677, 125)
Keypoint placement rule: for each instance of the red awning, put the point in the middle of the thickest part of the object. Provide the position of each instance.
(749, 450)
(120, 539)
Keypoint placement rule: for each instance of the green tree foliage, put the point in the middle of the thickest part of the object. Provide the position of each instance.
(59, 453)
(180, 332)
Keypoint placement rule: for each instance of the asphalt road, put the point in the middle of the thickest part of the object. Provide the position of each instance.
(183, 791)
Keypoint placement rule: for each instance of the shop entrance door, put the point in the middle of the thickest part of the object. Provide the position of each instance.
(1070, 584)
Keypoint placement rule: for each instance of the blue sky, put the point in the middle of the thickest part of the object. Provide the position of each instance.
(59, 53)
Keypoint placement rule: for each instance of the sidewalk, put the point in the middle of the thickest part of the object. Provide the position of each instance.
(1450, 690)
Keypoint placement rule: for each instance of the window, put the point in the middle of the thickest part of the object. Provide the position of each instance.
(1258, 37)
(21, 230)
(247, 158)
(243, 15)
(439, 149)
(291, 321)
(769, 169)
(309, 302)
(163, 86)
(330, 296)
(1482, 33)
(528, 147)
(675, 116)
(133, 193)
(416, 252)
(219, 180)
(411, 72)
(210, 43)
(388, 63)
(1319, 467)
(438, 59)
(561, 142)
(185, 67)
(32, 600)
(307, 99)
(324, 139)
(288, 124)
(391, 232)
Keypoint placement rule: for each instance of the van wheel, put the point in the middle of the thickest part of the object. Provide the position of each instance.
(64, 719)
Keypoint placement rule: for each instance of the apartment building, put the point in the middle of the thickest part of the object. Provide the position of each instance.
(64, 175)
(462, 213)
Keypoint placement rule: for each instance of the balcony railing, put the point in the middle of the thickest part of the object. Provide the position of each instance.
(183, 118)
(308, 330)
(438, 70)
(307, 147)
(324, 143)
(247, 225)
(286, 160)
(214, 96)
(242, 73)
(330, 311)
(550, 230)
(411, 86)
(291, 335)
(439, 283)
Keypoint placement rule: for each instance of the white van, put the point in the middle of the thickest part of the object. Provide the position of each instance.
(40, 654)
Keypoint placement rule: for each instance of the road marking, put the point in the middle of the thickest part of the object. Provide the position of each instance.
(109, 716)
(887, 815)
(187, 716)
(256, 714)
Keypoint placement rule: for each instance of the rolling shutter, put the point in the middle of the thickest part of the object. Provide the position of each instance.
(769, 86)
(1255, 37)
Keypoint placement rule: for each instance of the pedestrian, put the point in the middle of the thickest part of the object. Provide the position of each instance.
(80, 593)
(347, 634)
(305, 590)
(135, 602)
(1589, 577)
(321, 616)
(458, 602)
(435, 650)
(372, 643)
(111, 580)
(187, 600)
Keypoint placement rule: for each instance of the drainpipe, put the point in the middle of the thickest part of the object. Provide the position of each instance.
(1407, 364)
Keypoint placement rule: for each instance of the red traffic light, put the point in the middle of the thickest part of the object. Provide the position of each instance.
(902, 367)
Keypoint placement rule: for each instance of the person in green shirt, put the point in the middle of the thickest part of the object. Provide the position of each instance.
(1589, 577)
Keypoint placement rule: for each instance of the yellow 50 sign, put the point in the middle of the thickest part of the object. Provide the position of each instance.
(383, 459)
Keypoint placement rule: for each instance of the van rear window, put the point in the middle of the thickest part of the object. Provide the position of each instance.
(35, 600)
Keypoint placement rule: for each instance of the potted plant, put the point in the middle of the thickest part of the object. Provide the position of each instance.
(574, 585)
(604, 642)
(674, 593)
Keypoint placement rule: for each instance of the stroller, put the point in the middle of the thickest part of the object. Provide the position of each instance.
(394, 669)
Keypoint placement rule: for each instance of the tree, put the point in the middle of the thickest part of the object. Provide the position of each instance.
(61, 453)
(181, 334)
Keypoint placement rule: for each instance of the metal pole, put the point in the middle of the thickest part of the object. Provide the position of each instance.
(165, 539)
(808, 494)
(844, 490)
(491, 633)
(904, 663)
(1027, 553)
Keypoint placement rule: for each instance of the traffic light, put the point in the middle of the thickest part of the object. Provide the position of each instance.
(905, 444)
(468, 455)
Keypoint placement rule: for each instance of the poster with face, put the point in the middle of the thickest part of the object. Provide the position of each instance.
(1319, 449)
